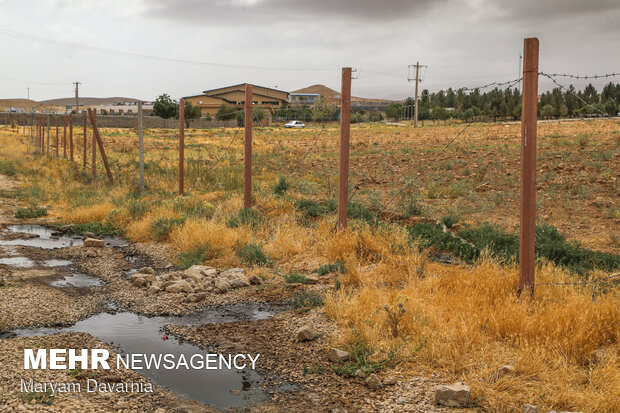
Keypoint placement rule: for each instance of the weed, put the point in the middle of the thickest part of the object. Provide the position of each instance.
(410, 206)
(449, 220)
(106, 230)
(281, 188)
(163, 226)
(246, 216)
(252, 254)
(195, 256)
(356, 210)
(294, 277)
(36, 397)
(310, 208)
(305, 301)
(360, 358)
(337, 266)
(312, 369)
(31, 212)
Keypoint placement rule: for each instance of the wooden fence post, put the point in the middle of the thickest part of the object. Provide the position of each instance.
(56, 117)
(64, 137)
(345, 130)
(85, 143)
(181, 145)
(528, 166)
(71, 137)
(247, 153)
(141, 145)
(100, 143)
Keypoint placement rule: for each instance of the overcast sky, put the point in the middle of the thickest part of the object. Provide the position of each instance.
(463, 43)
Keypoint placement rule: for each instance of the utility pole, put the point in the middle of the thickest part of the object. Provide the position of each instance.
(28, 89)
(417, 83)
(77, 99)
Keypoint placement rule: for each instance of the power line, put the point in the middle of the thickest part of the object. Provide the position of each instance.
(96, 49)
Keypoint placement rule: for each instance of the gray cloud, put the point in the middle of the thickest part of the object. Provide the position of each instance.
(226, 13)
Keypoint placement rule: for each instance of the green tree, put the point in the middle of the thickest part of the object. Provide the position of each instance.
(225, 112)
(547, 111)
(393, 111)
(164, 107)
(191, 112)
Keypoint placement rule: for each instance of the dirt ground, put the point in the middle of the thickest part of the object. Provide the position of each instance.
(27, 300)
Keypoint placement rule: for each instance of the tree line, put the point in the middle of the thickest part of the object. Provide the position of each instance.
(506, 103)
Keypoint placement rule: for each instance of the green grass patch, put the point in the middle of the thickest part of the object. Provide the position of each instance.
(295, 277)
(337, 266)
(163, 226)
(305, 301)
(31, 212)
(246, 217)
(281, 187)
(360, 358)
(252, 254)
(7, 168)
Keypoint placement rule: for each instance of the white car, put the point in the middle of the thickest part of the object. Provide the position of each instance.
(295, 124)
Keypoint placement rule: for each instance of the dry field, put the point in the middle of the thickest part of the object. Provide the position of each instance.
(391, 304)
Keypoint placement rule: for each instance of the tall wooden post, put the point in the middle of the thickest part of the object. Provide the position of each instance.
(71, 137)
(181, 146)
(141, 145)
(104, 158)
(247, 153)
(528, 165)
(345, 130)
(56, 117)
(93, 115)
(64, 137)
(85, 143)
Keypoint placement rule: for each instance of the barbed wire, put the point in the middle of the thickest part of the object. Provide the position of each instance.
(585, 77)
(550, 77)
(510, 84)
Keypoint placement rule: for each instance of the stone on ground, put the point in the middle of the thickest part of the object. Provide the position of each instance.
(337, 355)
(373, 382)
(306, 333)
(454, 395)
(93, 242)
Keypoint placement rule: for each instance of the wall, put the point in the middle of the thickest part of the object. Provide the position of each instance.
(109, 121)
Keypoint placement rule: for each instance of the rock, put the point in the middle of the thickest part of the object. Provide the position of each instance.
(455, 395)
(198, 288)
(198, 272)
(373, 382)
(235, 277)
(255, 279)
(160, 410)
(180, 286)
(221, 286)
(505, 369)
(146, 270)
(359, 374)
(195, 297)
(337, 355)
(89, 235)
(93, 242)
(154, 289)
(142, 280)
(306, 333)
(528, 408)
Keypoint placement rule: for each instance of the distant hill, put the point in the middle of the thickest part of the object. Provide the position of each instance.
(332, 94)
(19, 103)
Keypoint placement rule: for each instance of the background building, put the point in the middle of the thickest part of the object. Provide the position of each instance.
(211, 100)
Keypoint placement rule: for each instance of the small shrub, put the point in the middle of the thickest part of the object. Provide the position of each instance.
(103, 230)
(294, 277)
(195, 256)
(356, 210)
(163, 226)
(137, 208)
(325, 269)
(281, 188)
(360, 358)
(252, 254)
(246, 216)
(31, 212)
(305, 301)
(449, 221)
(310, 208)
(410, 206)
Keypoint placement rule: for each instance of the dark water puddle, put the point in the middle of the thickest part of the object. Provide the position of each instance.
(131, 333)
(19, 262)
(78, 281)
(47, 238)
